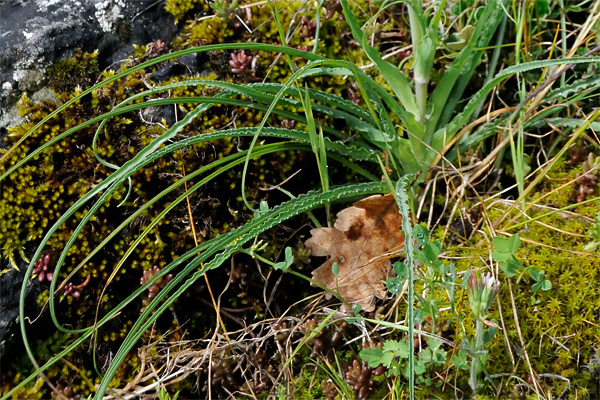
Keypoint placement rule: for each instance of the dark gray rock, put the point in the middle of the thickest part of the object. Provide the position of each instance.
(155, 115)
(36, 33)
(191, 61)
(190, 64)
(168, 71)
(11, 342)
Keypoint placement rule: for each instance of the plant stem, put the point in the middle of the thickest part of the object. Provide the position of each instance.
(563, 37)
(477, 348)
(415, 9)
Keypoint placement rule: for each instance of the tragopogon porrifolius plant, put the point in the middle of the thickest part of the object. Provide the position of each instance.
(430, 120)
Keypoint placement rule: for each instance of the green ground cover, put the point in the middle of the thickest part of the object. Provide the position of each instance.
(164, 223)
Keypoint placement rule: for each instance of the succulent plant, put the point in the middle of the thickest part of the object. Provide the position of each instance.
(290, 124)
(283, 332)
(225, 10)
(238, 274)
(222, 377)
(327, 339)
(41, 269)
(158, 285)
(240, 62)
(156, 49)
(579, 152)
(308, 29)
(70, 290)
(75, 290)
(359, 376)
(329, 389)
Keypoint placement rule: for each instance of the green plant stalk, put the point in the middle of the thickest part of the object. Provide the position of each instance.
(349, 163)
(563, 37)
(517, 155)
(449, 91)
(477, 348)
(277, 17)
(401, 196)
(397, 81)
(517, 151)
(316, 141)
(337, 376)
(403, 203)
(422, 56)
(318, 27)
(447, 94)
(314, 333)
(447, 132)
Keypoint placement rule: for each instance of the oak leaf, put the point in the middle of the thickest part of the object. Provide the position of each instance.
(358, 242)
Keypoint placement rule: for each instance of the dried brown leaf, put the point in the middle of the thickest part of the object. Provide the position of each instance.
(361, 235)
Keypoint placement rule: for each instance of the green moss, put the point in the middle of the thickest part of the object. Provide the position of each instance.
(557, 326)
(205, 31)
(80, 70)
(308, 385)
(179, 8)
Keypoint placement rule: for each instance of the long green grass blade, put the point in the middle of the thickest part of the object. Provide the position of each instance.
(397, 81)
